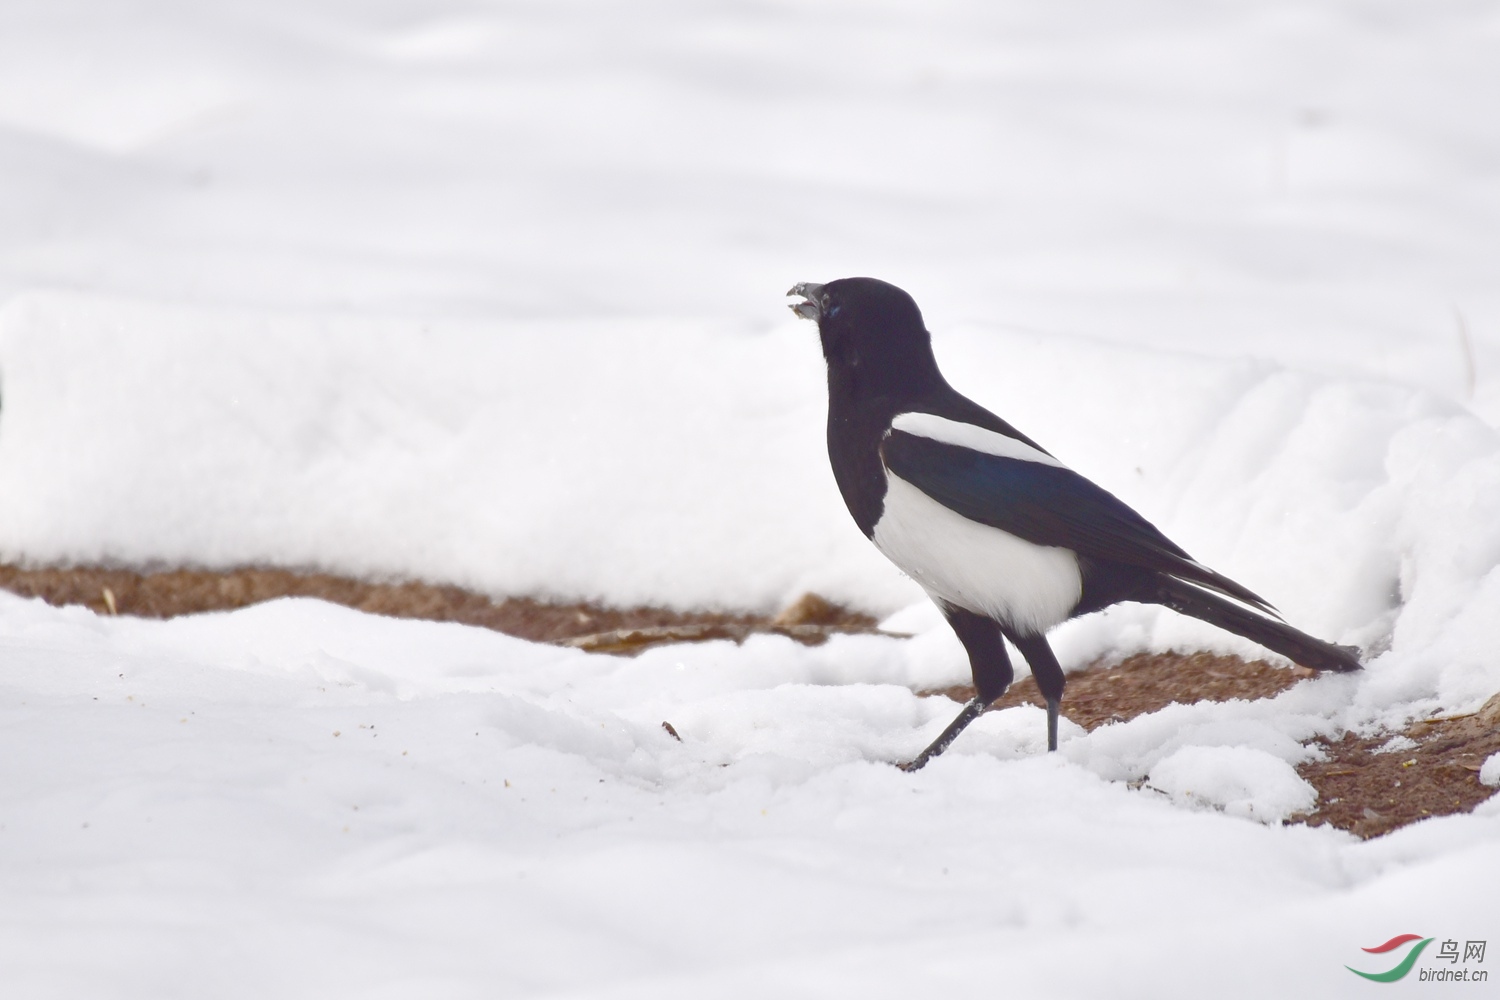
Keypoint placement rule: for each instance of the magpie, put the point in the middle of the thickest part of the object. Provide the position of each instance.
(1004, 538)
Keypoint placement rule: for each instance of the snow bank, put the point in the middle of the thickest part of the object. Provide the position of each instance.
(628, 462)
(301, 800)
(682, 464)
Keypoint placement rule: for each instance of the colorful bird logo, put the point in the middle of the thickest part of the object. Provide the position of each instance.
(1404, 966)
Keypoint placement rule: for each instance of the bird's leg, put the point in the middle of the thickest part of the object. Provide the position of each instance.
(990, 666)
(973, 710)
(1048, 674)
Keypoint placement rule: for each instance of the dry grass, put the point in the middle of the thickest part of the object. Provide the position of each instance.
(1360, 788)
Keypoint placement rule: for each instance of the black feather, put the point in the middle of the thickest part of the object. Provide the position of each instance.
(1047, 505)
(1279, 637)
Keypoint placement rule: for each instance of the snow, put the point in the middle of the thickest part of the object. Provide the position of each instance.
(302, 800)
(581, 459)
(490, 294)
(1489, 771)
(1240, 780)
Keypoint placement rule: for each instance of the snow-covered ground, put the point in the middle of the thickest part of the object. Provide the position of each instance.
(490, 294)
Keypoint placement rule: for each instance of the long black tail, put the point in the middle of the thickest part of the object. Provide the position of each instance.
(1299, 647)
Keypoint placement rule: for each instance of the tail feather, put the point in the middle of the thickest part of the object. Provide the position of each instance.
(1277, 636)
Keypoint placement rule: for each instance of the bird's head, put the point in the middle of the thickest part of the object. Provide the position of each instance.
(870, 325)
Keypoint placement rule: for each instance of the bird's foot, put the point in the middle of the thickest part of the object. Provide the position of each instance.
(973, 710)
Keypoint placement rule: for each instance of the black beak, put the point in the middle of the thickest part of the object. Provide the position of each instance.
(812, 292)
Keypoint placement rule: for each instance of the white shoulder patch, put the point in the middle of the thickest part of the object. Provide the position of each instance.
(936, 428)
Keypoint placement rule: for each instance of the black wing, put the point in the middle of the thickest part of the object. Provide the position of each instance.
(1046, 505)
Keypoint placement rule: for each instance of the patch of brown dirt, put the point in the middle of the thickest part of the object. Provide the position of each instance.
(590, 626)
(809, 620)
(1360, 788)
(1147, 682)
(1369, 790)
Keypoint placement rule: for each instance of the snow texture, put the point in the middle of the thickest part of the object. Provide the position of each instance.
(489, 293)
(1489, 771)
(1242, 781)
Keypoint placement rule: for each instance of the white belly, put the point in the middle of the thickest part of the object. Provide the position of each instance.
(1027, 587)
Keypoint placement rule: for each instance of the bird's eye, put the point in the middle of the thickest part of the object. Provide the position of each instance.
(829, 310)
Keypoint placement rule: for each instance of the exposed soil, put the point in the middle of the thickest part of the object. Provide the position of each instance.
(1367, 785)
(1148, 682)
(589, 626)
